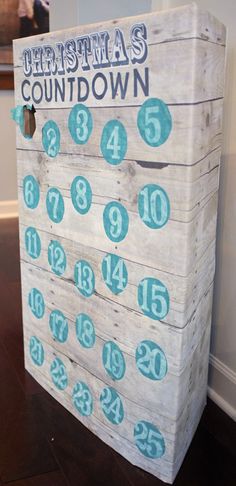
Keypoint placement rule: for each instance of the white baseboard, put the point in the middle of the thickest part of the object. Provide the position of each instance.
(8, 209)
(222, 386)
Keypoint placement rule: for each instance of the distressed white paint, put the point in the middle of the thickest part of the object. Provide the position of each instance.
(189, 46)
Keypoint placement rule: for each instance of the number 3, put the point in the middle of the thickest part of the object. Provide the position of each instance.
(80, 124)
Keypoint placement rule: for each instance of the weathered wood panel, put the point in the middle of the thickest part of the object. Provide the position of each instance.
(194, 238)
(204, 120)
(118, 193)
(184, 292)
(186, 191)
(209, 64)
(122, 435)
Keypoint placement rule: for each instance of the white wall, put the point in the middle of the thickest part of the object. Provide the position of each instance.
(73, 12)
(8, 185)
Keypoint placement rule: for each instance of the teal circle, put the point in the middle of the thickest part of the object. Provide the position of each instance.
(114, 273)
(56, 257)
(116, 221)
(32, 242)
(59, 326)
(81, 194)
(84, 278)
(59, 374)
(80, 123)
(112, 405)
(153, 298)
(114, 142)
(153, 206)
(85, 331)
(154, 122)
(36, 303)
(151, 360)
(82, 399)
(51, 138)
(36, 351)
(113, 360)
(19, 118)
(55, 205)
(31, 192)
(149, 439)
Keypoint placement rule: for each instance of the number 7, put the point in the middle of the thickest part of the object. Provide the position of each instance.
(55, 196)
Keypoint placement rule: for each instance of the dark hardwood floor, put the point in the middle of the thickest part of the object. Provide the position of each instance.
(41, 444)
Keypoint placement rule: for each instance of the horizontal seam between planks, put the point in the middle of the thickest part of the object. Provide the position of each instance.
(103, 382)
(200, 204)
(128, 160)
(92, 107)
(105, 252)
(109, 300)
(166, 41)
(180, 39)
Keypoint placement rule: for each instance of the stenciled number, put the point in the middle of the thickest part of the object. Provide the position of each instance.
(32, 243)
(153, 298)
(114, 272)
(85, 331)
(36, 303)
(149, 440)
(31, 192)
(58, 373)
(116, 221)
(112, 405)
(114, 142)
(80, 124)
(113, 360)
(151, 360)
(81, 194)
(56, 257)
(82, 399)
(36, 351)
(51, 138)
(154, 122)
(55, 205)
(58, 325)
(84, 278)
(153, 206)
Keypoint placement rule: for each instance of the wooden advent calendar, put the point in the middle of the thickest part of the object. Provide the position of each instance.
(118, 204)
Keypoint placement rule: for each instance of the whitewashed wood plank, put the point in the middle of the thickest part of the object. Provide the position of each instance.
(184, 293)
(186, 193)
(193, 238)
(196, 132)
(159, 73)
(116, 320)
(120, 435)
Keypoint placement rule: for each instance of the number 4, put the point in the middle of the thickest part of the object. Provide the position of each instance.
(113, 143)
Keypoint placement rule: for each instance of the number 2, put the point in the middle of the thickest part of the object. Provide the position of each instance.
(51, 138)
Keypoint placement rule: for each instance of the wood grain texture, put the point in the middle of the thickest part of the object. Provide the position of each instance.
(109, 433)
(197, 86)
(198, 126)
(166, 387)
